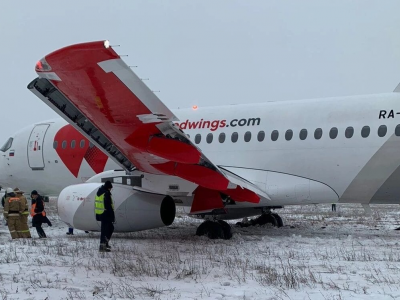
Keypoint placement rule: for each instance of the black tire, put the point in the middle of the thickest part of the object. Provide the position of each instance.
(240, 224)
(266, 219)
(215, 231)
(203, 228)
(226, 229)
(278, 219)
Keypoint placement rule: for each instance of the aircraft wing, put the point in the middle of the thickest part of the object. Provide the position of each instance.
(91, 87)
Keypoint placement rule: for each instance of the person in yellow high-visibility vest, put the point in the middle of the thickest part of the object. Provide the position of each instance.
(24, 228)
(104, 209)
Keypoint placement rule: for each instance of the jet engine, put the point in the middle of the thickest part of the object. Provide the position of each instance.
(135, 210)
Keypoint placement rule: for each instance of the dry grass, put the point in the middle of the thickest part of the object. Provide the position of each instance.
(172, 263)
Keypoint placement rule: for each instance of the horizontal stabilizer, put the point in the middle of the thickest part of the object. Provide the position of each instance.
(397, 89)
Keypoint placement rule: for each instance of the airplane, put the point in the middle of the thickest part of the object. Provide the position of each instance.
(225, 162)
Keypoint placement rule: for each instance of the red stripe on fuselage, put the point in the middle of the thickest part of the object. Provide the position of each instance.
(73, 157)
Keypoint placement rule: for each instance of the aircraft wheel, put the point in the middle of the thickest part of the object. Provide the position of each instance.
(215, 230)
(278, 219)
(226, 228)
(203, 228)
(266, 219)
(241, 224)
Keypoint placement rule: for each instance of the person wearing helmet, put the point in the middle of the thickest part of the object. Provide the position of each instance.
(24, 228)
(13, 208)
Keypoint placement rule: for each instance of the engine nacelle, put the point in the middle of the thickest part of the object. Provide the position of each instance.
(134, 210)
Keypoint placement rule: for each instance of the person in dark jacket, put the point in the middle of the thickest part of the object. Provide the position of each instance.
(104, 209)
(2, 203)
(47, 221)
(3, 199)
(38, 214)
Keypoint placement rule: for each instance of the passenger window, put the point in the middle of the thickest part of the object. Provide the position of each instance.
(288, 134)
(365, 131)
(382, 130)
(73, 144)
(303, 134)
(82, 144)
(209, 138)
(247, 136)
(64, 144)
(55, 144)
(349, 132)
(318, 133)
(197, 138)
(221, 138)
(7, 145)
(274, 135)
(333, 133)
(234, 137)
(261, 136)
(397, 130)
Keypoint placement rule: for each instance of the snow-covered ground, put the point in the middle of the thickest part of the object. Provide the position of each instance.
(316, 255)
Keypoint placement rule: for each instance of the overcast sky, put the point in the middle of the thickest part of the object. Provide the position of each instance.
(209, 52)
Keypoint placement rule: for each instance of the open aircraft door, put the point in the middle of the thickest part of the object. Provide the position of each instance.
(35, 147)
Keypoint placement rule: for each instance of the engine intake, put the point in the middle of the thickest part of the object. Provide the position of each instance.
(134, 210)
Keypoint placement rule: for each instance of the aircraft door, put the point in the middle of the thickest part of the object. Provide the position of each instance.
(35, 147)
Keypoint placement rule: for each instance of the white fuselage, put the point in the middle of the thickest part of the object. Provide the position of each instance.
(291, 169)
(355, 167)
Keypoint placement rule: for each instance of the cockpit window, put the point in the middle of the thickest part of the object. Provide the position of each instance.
(7, 145)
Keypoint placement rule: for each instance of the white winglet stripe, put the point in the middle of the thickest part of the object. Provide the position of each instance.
(151, 118)
(136, 85)
(49, 75)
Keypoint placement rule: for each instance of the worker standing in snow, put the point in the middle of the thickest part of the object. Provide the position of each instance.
(104, 209)
(24, 228)
(13, 210)
(38, 213)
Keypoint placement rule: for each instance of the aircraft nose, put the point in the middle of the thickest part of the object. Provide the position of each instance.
(6, 152)
(3, 181)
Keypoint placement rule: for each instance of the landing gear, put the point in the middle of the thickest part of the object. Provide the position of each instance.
(266, 218)
(217, 229)
(278, 220)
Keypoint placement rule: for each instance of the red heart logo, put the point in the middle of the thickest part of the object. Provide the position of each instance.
(96, 159)
(73, 147)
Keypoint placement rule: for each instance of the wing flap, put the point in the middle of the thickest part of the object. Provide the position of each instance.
(244, 184)
(94, 90)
